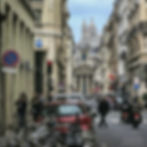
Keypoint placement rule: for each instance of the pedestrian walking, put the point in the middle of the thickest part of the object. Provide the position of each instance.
(37, 108)
(22, 110)
(103, 110)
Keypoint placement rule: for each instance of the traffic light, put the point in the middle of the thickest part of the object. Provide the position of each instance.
(49, 67)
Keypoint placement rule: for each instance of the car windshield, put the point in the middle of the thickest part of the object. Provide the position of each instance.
(69, 110)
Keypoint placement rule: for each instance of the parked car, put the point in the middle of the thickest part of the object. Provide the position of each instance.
(67, 113)
(69, 117)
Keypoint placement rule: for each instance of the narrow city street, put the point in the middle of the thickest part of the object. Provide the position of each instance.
(64, 64)
(118, 134)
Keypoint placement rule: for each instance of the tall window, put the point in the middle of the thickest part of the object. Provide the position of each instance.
(38, 14)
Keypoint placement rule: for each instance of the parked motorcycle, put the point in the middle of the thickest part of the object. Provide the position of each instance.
(136, 118)
(125, 117)
(125, 113)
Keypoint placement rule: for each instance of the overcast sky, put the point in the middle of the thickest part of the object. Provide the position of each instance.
(80, 10)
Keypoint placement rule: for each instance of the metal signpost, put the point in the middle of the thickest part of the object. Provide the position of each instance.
(136, 86)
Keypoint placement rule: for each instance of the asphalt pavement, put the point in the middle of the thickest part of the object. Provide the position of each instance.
(118, 134)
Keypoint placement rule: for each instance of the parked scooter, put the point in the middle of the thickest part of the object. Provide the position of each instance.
(125, 112)
(125, 116)
(136, 118)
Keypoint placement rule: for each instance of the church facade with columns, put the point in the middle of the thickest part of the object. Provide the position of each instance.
(85, 59)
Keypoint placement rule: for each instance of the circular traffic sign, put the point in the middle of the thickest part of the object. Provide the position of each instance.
(39, 43)
(10, 58)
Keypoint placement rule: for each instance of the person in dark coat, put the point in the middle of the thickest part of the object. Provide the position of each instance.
(103, 110)
(21, 105)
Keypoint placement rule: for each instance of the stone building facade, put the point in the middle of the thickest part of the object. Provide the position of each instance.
(131, 34)
(111, 58)
(103, 69)
(127, 45)
(53, 33)
(137, 57)
(17, 35)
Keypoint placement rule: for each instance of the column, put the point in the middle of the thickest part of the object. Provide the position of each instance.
(90, 83)
(3, 104)
(84, 85)
(23, 55)
(5, 34)
(29, 58)
(87, 84)
(13, 78)
(81, 83)
(8, 78)
(77, 83)
(21, 44)
(18, 49)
